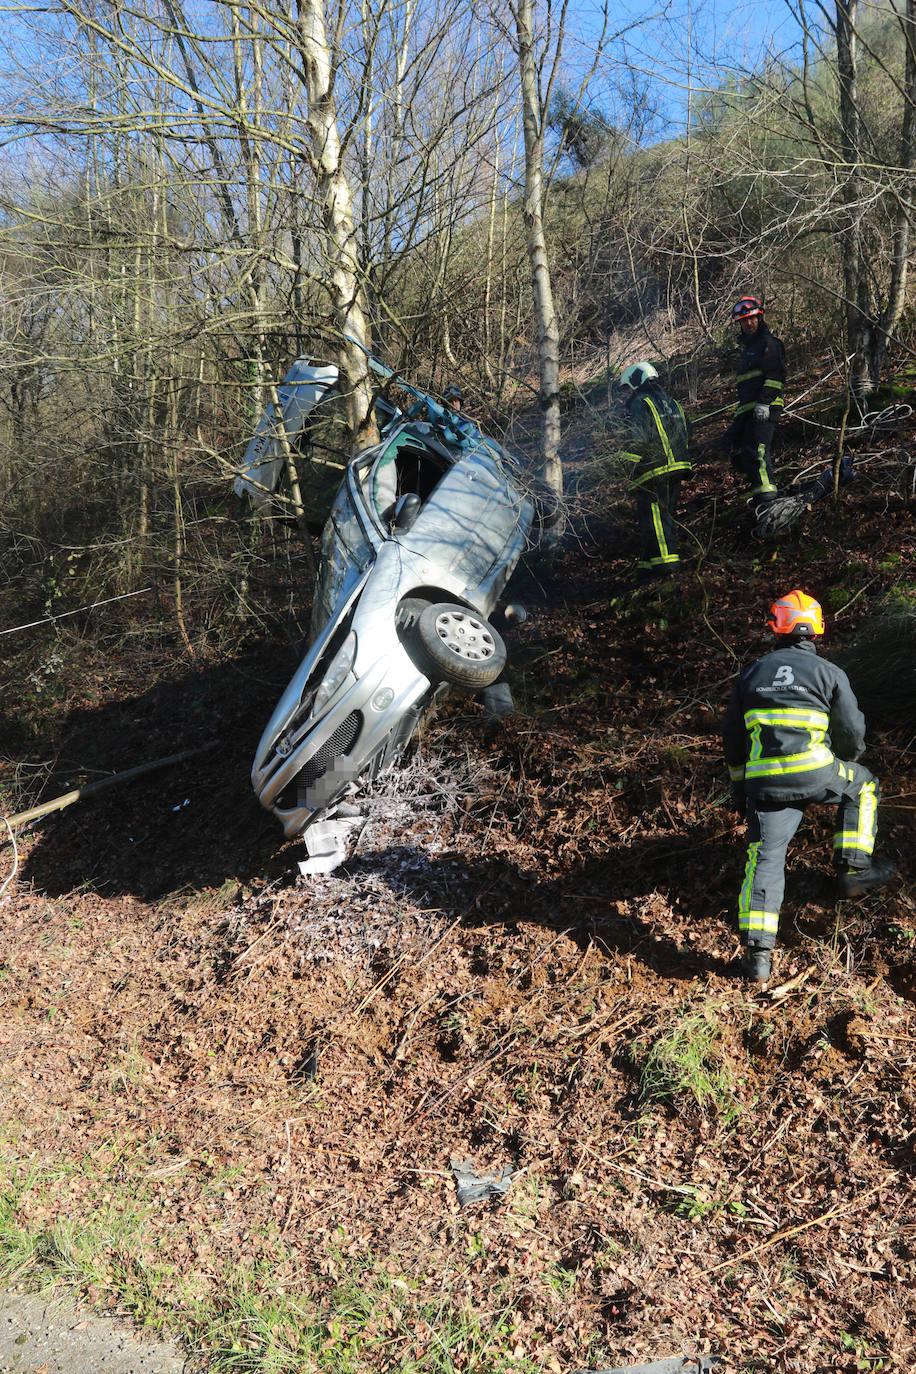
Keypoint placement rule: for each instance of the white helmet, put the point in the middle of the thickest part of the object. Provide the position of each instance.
(637, 374)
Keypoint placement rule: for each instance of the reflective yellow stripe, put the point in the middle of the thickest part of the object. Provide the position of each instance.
(862, 839)
(672, 464)
(736, 773)
(667, 470)
(750, 919)
(854, 839)
(750, 868)
(749, 376)
(762, 473)
(759, 922)
(659, 528)
(788, 715)
(789, 763)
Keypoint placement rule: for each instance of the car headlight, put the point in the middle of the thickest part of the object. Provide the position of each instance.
(341, 664)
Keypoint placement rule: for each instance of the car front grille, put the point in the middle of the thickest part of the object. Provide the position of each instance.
(341, 742)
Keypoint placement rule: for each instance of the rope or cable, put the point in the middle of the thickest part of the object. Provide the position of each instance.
(50, 619)
(890, 415)
(15, 857)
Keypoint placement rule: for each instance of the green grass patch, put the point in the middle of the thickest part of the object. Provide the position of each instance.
(363, 1316)
(686, 1067)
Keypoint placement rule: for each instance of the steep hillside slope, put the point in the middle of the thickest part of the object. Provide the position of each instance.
(250, 1087)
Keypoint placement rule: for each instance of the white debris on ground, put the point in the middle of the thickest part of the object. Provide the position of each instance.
(397, 879)
(327, 843)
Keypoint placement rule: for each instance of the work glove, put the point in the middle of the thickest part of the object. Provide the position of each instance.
(739, 801)
(761, 412)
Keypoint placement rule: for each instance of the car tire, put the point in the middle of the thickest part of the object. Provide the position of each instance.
(455, 645)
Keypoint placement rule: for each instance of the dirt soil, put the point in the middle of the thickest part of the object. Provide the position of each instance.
(286, 1068)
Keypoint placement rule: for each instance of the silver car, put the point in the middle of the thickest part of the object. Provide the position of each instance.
(423, 535)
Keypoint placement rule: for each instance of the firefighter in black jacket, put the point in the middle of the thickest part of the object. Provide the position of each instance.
(793, 732)
(761, 377)
(656, 441)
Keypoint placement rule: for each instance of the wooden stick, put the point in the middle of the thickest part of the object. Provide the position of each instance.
(796, 1230)
(90, 788)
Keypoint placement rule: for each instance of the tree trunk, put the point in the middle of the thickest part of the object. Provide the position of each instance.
(856, 288)
(548, 333)
(346, 288)
(896, 295)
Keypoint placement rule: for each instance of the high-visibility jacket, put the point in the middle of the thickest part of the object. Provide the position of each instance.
(791, 717)
(657, 436)
(761, 373)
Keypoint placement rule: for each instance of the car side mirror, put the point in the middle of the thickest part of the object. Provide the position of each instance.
(406, 511)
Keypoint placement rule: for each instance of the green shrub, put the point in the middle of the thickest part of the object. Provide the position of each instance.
(881, 661)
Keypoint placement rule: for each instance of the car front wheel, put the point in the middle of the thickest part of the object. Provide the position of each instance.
(453, 644)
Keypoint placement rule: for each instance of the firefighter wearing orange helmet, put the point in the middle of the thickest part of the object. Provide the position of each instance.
(761, 377)
(793, 732)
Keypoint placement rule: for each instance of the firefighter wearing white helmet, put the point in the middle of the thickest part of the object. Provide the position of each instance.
(656, 440)
(792, 736)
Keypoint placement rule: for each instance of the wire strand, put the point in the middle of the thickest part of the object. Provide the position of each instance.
(50, 619)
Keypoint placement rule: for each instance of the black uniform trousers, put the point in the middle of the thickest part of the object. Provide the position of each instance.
(753, 440)
(770, 827)
(656, 503)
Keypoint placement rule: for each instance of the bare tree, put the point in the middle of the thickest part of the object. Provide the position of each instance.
(535, 98)
(346, 285)
(869, 324)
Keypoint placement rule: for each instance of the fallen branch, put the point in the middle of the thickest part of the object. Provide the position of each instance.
(797, 1230)
(90, 788)
(785, 988)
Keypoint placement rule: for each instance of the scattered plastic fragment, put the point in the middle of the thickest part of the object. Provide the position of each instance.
(677, 1364)
(474, 1187)
(327, 842)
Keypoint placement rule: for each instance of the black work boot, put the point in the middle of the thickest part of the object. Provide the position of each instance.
(755, 964)
(855, 881)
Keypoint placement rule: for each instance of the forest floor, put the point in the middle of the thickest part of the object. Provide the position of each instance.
(232, 1096)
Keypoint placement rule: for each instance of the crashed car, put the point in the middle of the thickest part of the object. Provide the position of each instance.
(423, 535)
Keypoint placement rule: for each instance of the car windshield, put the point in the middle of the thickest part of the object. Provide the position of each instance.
(346, 551)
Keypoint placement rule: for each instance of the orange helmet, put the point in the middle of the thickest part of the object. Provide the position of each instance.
(746, 307)
(797, 614)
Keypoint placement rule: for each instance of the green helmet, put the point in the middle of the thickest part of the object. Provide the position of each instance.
(637, 374)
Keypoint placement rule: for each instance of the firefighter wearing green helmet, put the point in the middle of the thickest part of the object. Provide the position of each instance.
(761, 377)
(656, 440)
(793, 734)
